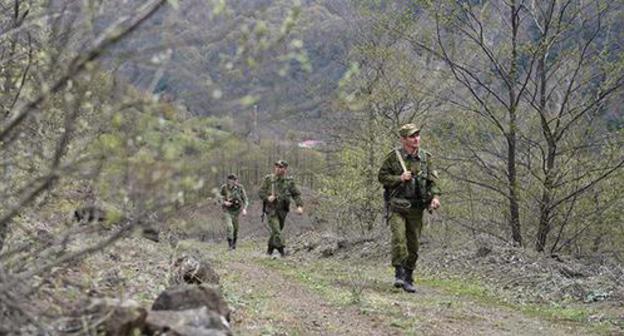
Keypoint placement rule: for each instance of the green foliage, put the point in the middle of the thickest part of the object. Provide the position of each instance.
(348, 202)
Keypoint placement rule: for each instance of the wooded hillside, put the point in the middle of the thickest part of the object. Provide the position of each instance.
(119, 120)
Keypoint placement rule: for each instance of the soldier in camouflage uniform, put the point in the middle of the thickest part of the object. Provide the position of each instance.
(276, 192)
(234, 202)
(410, 188)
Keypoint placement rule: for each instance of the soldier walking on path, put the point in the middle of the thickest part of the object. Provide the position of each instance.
(234, 202)
(276, 192)
(409, 188)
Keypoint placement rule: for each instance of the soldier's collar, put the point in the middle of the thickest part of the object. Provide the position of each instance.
(405, 155)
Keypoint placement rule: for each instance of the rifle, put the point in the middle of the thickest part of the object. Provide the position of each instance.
(234, 202)
(263, 212)
(386, 196)
(264, 202)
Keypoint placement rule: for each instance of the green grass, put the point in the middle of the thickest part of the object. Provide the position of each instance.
(366, 287)
(466, 288)
(556, 313)
(315, 281)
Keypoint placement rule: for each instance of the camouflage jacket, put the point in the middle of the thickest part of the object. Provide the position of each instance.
(236, 194)
(284, 189)
(424, 185)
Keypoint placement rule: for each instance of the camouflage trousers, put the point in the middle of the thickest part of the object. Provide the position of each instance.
(276, 221)
(406, 229)
(231, 223)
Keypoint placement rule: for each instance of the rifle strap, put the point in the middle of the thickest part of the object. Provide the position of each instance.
(400, 157)
(421, 155)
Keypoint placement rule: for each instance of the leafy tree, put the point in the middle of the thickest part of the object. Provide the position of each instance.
(75, 135)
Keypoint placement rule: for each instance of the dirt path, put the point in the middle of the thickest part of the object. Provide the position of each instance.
(290, 308)
(300, 296)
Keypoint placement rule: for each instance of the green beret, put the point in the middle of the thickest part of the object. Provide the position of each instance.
(408, 129)
(281, 163)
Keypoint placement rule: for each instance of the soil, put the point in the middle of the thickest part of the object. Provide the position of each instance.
(327, 286)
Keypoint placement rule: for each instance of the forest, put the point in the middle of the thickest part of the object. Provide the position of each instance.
(120, 120)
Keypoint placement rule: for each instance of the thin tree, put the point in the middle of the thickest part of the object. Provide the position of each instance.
(576, 81)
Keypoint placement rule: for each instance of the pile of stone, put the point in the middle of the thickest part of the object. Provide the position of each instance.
(192, 305)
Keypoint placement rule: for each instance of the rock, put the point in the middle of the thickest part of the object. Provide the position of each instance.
(151, 233)
(189, 322)
(328, 252)
(483, 251)
(190, 270)
(89, 214)
(182, 297)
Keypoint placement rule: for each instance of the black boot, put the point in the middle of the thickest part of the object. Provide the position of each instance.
(281, 251)
(234, 243)
(230, 242)
(399, 276)
(408, 285)
(270, 250)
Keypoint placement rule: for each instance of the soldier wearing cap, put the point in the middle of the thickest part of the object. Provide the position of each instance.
(409, 183)
(234, 202)
(276, 192)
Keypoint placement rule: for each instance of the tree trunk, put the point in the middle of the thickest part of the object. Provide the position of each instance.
(544, 225)
(545, 206)
(370, 174)
(514, 208)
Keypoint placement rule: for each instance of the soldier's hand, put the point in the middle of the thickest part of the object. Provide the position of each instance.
(227, 203)
(271, 198)
(406, 176)
(300, 210)
(244, 212)
(435, 203)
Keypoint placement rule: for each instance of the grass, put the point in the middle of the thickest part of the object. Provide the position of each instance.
(552, 312)
(366, 288)
(476, 291)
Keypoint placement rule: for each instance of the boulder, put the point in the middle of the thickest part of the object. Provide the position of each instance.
(190, 270)
(189, 322)
(182, 297)
(151, 233)
(89, 214)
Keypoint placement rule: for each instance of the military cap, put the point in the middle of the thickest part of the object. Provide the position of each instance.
(408, 129)
(281, 163)
(232, 177)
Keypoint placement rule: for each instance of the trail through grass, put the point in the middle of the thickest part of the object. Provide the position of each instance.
(300, 295)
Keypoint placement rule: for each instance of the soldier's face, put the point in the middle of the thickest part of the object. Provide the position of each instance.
(280, 171)
(411, 142)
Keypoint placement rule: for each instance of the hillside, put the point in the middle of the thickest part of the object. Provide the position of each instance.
(283, 57)
(333, 286)
(120, 121)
